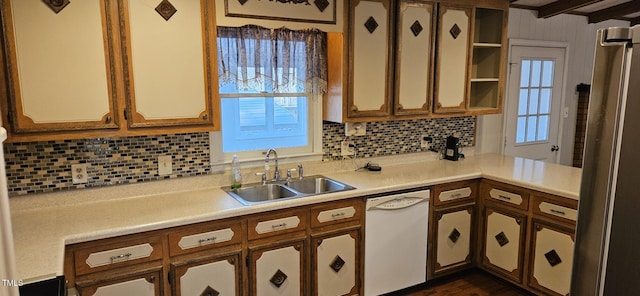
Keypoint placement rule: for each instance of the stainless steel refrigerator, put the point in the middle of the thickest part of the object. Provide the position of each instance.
(607, 245)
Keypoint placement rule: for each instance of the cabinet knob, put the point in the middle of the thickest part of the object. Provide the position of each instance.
(354, 108)
(399, 108)
(152, 279)
(108, 120)
(319, 242)
(205, 116)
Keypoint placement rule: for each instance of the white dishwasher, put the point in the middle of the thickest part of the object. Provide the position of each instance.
(395, 242)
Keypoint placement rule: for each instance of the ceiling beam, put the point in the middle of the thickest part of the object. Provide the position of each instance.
(562, 6)
(635, 21)
(614, 11)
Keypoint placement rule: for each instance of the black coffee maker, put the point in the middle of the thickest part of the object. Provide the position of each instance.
(452, 148)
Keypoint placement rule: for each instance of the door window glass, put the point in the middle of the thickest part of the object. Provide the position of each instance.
(534, 101)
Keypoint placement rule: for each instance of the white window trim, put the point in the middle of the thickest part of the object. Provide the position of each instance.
(221, 163)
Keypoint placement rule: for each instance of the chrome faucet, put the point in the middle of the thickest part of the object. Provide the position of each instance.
(276, 174)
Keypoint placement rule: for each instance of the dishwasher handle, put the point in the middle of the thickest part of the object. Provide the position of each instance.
(395, 203)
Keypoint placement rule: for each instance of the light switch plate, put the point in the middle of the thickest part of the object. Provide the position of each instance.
(165, 166)
(79, 173)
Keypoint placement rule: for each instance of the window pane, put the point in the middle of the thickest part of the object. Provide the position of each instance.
(545, 101)
(262, 123)
(522, 124)
(543, 128)
(547, 73)
(522, 102)
(535, 73)
(252, 115)
(524, 73)
(531, 128)
(533, 101)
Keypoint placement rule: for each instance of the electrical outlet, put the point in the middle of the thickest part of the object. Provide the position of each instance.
(425, 142)
(347, 148)
(79, 173)
(355, 129)
(165, 166)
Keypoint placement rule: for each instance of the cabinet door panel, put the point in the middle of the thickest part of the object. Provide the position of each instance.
(414, 58)
(504, 243)
(452, 61)
(278, 269)
(60, 72)
(170, 63)
(145, 283)
(219, 275)
(453, 231)
(552, 258)
(370, 54)
(336, 263)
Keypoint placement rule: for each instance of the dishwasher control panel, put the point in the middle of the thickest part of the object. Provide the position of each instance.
(397, 201)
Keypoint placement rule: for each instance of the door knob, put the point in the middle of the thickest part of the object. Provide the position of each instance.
(555, 148)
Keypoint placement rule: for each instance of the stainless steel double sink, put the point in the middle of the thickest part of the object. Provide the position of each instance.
(257, 193)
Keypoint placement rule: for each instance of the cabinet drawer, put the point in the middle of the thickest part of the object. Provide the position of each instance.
(555, 207)
(456, 192)
(336, 212)
(283, 222)
(107, 256)
(207, 236)
(506, 194)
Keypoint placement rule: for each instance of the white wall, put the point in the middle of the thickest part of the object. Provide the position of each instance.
(573, 29)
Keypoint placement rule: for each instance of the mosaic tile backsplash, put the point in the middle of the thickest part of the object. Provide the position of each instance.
(38, 167)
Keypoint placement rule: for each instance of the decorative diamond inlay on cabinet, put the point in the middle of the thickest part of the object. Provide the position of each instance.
(502, 239)
(455, 235)
(416, 28)
(337, 264)
(371, 24)
(553, 258)
(320, 4)
(455, 31)
(56, 5)
(208, 291)
(166, 9)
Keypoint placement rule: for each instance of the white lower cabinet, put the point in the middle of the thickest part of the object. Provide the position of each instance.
(211, 276)
(336, 263)
(504, 243)
(552, 258)
(139, 283)
(277, 268)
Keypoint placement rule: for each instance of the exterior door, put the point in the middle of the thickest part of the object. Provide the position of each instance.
(534, 99)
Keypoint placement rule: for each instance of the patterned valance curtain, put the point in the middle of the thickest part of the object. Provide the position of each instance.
(257, 59)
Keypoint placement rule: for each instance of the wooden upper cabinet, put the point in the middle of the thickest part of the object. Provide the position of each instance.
(371, 58)
(414, 58)
(452, 60)
(108, 68)
(58, 66)
(170, 63)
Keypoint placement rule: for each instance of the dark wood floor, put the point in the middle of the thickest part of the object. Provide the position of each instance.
(474, 282)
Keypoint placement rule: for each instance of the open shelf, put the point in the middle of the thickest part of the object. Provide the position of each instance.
(486, 72)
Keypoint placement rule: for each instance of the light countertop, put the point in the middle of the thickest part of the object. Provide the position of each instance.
(43, 224)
